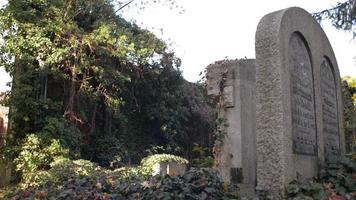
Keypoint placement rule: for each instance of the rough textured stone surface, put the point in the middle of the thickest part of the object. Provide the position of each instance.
(5, 169)
(175, 169)
(5, 173)
(291, 55)
(330, 110)
(234, 80)
(4, 111)
(170, 168)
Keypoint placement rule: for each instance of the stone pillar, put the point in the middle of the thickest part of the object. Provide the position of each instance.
(234, 82)
(4, 111)
(5, 167)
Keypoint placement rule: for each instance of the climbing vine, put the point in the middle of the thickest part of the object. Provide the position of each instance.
(88, 78)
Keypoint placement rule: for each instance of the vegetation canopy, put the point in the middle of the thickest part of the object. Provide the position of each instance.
(103, 88)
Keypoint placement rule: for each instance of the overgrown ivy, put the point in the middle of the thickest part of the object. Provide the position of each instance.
(86, 77)
(349, 102)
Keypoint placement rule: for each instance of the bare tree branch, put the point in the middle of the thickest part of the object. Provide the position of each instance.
(125, 4)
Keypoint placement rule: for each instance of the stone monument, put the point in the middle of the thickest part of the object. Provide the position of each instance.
(234, 82)
(283, 110)
(298, 96)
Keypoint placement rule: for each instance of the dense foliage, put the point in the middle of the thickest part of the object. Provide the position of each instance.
(81, 179)
(336, 181)
(36, 156)
(342, 16)
(100, 86)
(349, 100)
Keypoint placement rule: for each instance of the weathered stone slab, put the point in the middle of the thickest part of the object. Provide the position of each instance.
(330, 109)
(169, 168)
(175, 169)
(234, 82)
(302, 93)
(220, 76)
(4, 111)
(5, 173)
(298, 113)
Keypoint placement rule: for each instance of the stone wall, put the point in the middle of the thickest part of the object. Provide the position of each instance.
(4, 111)
(5, 168)
(234, 82)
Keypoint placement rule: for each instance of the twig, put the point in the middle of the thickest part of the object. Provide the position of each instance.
(126, 4)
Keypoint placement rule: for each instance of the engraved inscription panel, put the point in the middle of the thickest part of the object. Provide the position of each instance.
(302, 97)
(330, 112)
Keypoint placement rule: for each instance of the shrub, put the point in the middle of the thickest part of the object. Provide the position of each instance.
(108, 151)
(202, 157)
(36, 155)
(66, 169)
(336, 181)
(340, 174)
(195, 184)
(68, 135)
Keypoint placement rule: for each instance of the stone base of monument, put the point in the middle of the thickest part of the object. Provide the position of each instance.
(169, 168)
(5, 174)
(247, 192)
(2, 138)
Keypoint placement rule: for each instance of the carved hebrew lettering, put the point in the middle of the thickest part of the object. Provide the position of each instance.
(302, 94)
(330, 112)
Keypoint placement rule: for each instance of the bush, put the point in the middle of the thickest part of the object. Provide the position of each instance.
(340, 174)
(336, 181)
(82, 179)
(108, 151)
(66, 169)
(68, 135)
(36, 155)
(195, 184)
(202, 157)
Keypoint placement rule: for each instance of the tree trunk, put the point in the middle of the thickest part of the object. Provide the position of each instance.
(108, 119)
(72, 93)
(43, 84)
(93, 118)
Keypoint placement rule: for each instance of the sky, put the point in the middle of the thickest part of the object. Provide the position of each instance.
(211, 30)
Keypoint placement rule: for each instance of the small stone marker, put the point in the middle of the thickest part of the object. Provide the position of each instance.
(298, 95)
(169, 168)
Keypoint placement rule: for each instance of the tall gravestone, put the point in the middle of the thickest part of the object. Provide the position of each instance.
(298, 95)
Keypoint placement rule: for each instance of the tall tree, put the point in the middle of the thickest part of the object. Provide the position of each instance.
(78, 65)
